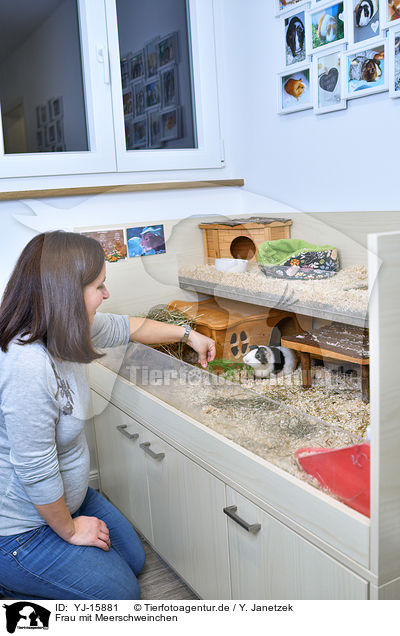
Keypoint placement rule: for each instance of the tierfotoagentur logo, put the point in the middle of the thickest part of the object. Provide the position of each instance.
(26, 615)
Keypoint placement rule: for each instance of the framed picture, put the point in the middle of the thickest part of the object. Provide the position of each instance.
(294, 37)
(140, 133)
(151, 58)
(282, 6)
(169, 87)
(154, 129)
(153, 94)
(170, 125)
(127, 100)
(294, 90)
(59, 130)
(136, 65)
(44, 115)
(39, 139)
(365, 71)
(55, 107)
(326, 27)
(327, 69)
(391, 12)
(129, 134)
(124, 71)
(168, 50)
(365, 21)
(394, 62)
(52, 134)
(140, 100)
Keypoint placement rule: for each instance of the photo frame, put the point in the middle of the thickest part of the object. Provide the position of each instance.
(55, 107)
(154, 129)
(293, 34)
(127, 100)
(391, 13)
(137, 67)
(151, 58)
(129, 134)
(394, 62)
(294, 90)
(169, 86)
(153, 94)
(365, 71)
(140, 133)
(327, 81)
(168, 50)
(139, 99)
(326, 26)
(124, 63)
(170, 124)
(365, 21)
(284, 6)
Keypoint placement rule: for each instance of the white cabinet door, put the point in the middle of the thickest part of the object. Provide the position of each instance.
(273, 562)
(188, 524)
(122, 464)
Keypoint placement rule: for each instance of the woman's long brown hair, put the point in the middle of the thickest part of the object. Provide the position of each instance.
(44, 301)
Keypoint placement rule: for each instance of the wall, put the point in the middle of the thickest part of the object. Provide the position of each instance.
(337, 161)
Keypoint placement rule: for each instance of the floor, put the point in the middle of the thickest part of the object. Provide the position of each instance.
(158, 581)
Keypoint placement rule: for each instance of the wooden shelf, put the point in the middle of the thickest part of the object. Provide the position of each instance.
(133, 187)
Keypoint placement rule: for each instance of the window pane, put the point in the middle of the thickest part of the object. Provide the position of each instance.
(41, 89)
(156, 74)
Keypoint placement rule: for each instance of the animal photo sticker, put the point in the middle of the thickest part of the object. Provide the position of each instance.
(365, 20)
(294, 38)
(145, 241)
(112, 242)
(327, 82)
(294, 91)
(326, 27)
(365, 72)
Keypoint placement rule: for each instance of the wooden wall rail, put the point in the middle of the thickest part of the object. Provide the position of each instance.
(134, 187)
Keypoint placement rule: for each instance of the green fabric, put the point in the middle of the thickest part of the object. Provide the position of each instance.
(278, 252)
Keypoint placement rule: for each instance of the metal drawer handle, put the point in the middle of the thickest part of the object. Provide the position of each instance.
(250, 527)
(147, 449)
(131, 436)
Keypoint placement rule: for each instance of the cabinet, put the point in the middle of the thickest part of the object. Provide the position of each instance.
(219, 542)
(169, 499)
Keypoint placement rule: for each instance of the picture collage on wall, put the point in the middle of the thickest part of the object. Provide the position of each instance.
(336, 50)
(150, 89)
(122, 243)
(50, 126)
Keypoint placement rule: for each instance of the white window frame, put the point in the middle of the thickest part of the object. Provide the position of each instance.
(96, 83)
(208, 153)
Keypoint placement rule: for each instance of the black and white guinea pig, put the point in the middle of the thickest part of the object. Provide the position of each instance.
(270, 360)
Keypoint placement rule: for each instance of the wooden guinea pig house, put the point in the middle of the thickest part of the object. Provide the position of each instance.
(240, 238)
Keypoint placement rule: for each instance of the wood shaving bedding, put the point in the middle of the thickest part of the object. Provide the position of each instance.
(346, 291)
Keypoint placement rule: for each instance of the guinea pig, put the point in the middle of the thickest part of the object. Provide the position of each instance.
(327, 27)
(294, 87)
(270, 360)
(364, 12)
(295, 36)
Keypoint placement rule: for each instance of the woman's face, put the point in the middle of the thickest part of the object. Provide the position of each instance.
(95, 293)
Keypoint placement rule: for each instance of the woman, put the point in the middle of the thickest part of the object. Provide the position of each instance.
(60, 539)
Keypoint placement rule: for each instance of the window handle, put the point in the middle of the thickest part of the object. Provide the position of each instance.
(102, 58)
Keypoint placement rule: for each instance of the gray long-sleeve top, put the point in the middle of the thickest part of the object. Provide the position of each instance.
(43, 407)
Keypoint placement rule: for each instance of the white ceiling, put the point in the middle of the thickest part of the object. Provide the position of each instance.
(19, 18)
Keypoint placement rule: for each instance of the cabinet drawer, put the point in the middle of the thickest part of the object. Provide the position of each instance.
(273, 562)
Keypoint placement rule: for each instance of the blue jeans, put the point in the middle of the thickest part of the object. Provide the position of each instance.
(40, 565)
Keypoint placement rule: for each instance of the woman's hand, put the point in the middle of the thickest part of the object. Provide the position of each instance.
(204, 346)
(90, 531)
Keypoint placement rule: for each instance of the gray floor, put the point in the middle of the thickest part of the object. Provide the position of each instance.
(158, 581)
